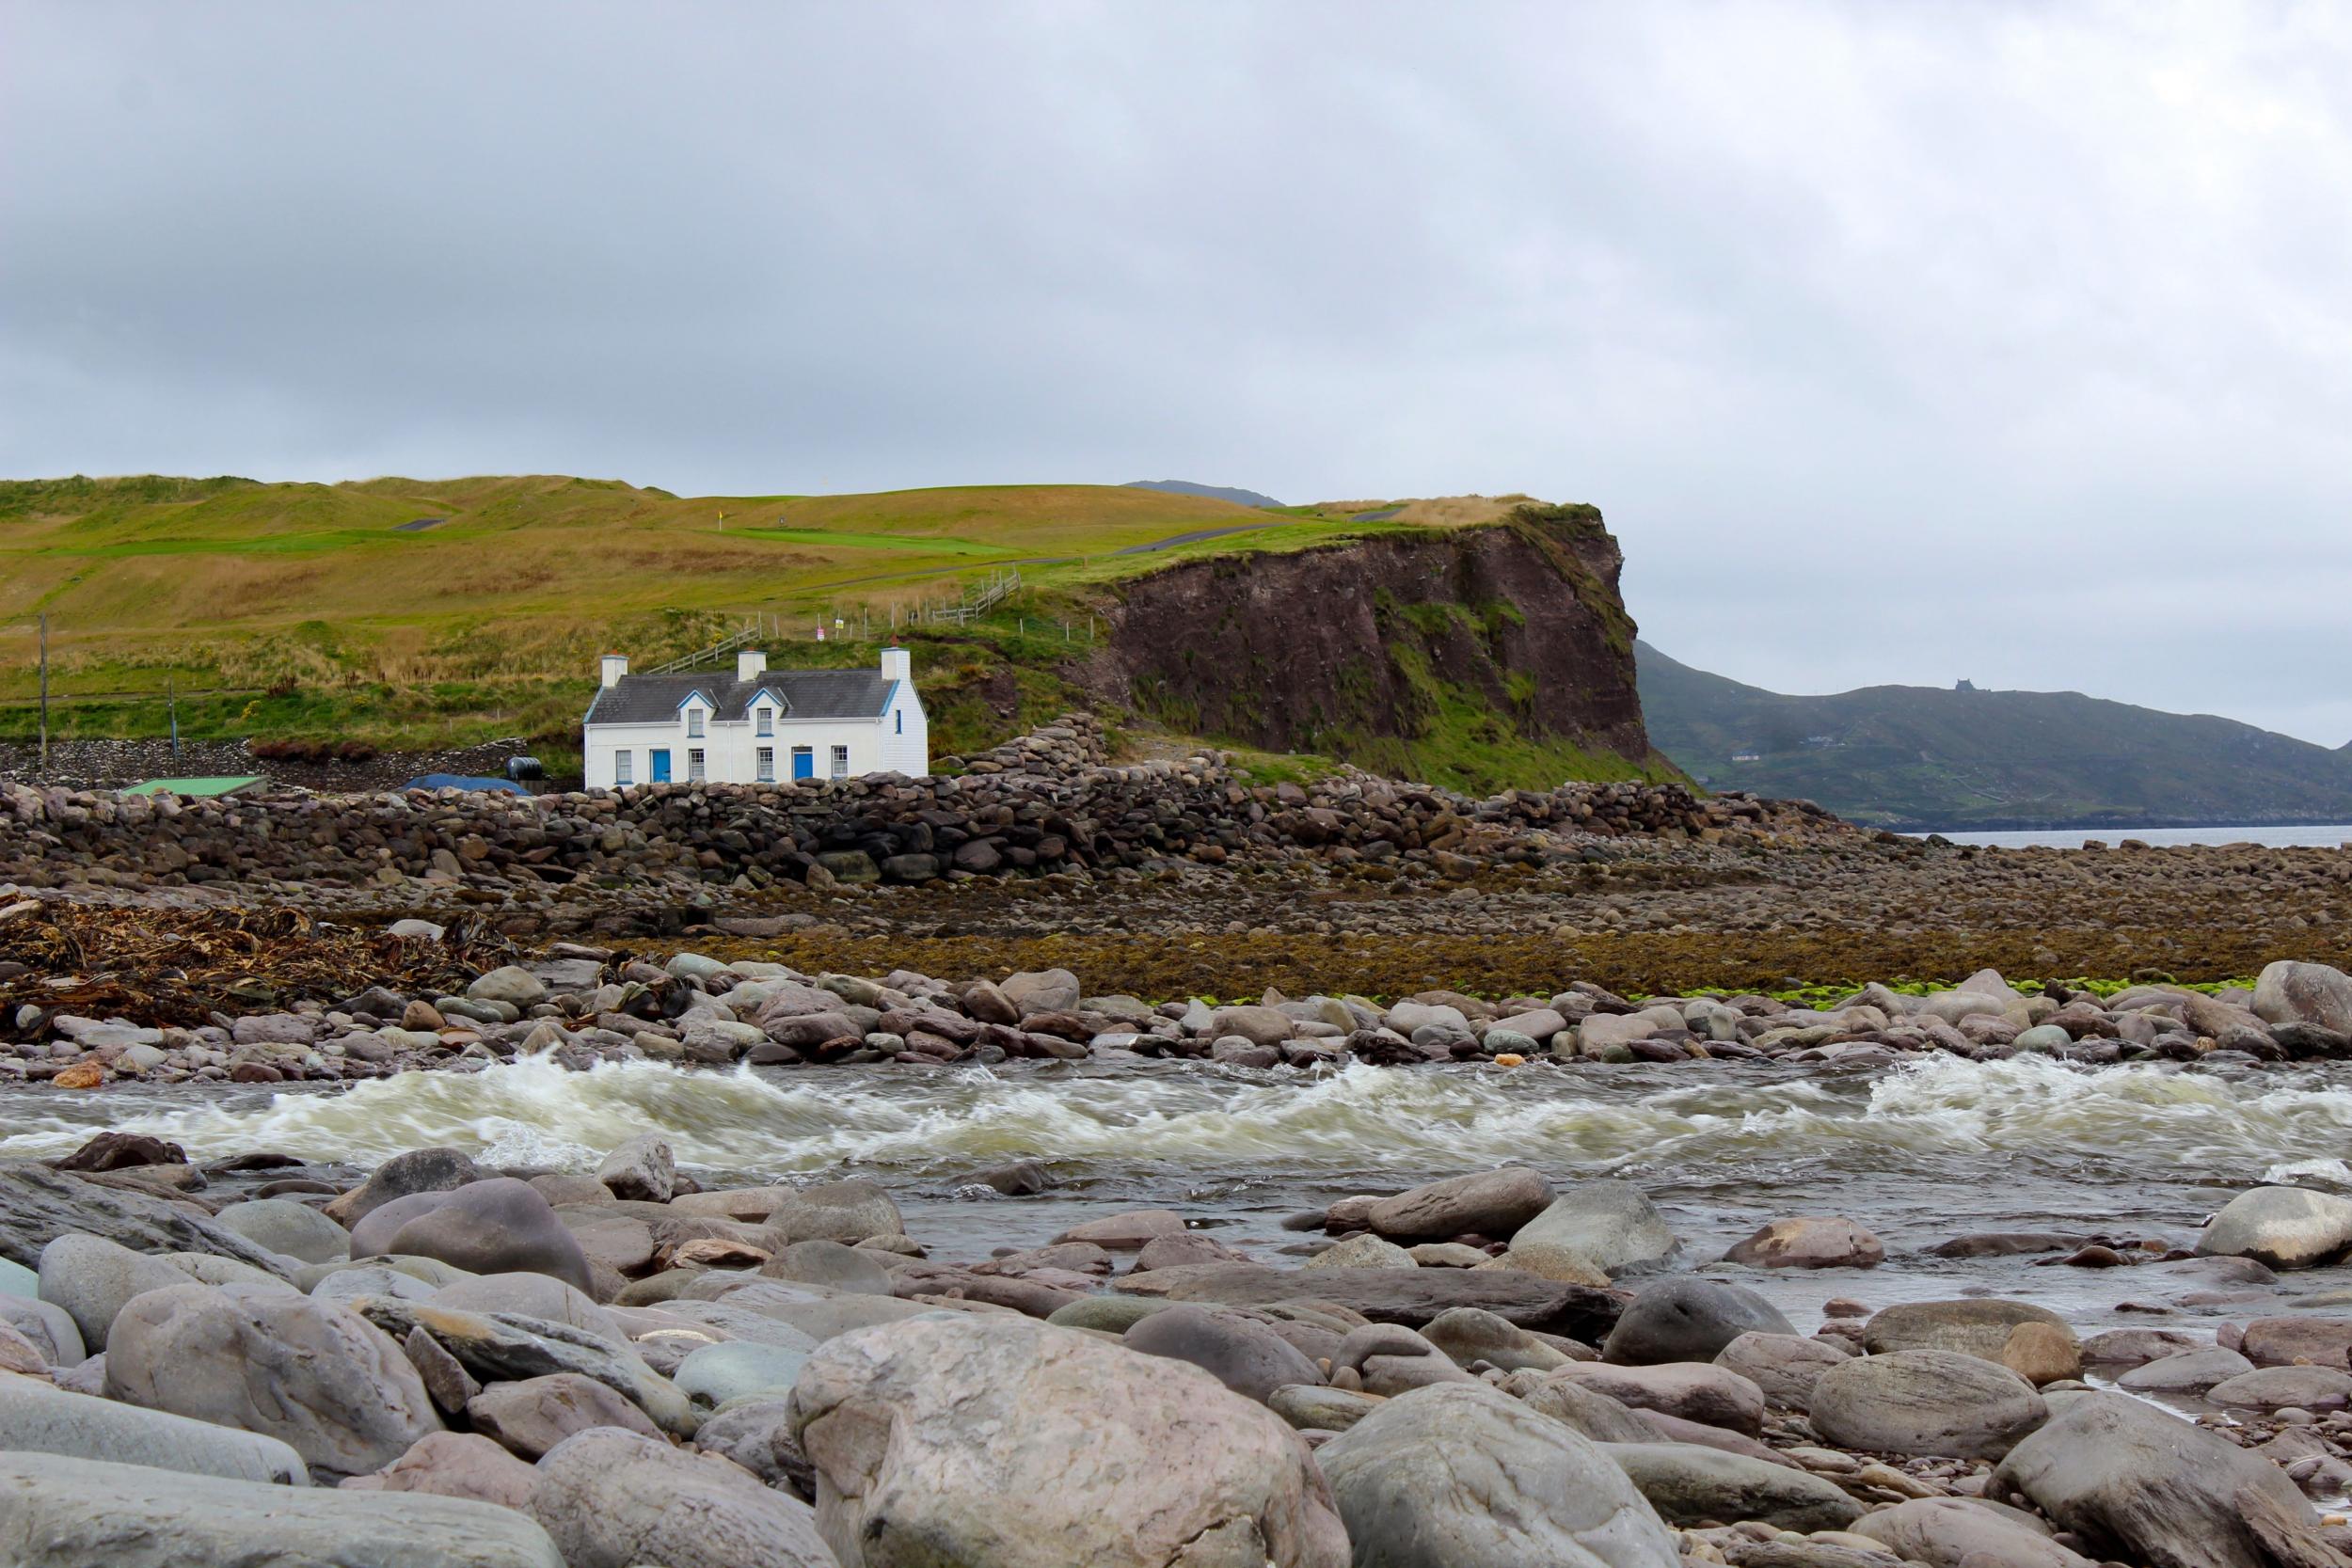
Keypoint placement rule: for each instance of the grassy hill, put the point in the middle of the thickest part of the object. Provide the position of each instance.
(1922, 757)
(428, 613)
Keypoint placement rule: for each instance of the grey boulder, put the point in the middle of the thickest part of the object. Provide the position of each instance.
(2286, 1227)
(1463, 1476)
(1689, 1318)
(1488, 1203)
(1471, 1334)
(2289, 992)
(1252, 1360)
(314, 1374)
(849, 1211)
(39, 1418)
(642, 1169)
(2141, 1485)
(59, 1512)
(756, 1433)
(1090, 1453)
(1926, 1402)
(1688, 1484)
(455, 1465)
(91, 1279)
(1785, 1366)
(1960, 1532)
(283, 1226)
(501, 1225)
(531, 1416)
(827, 1262)
(38, 1205)
(615, 1500)
(420, 1170)
(1592, 1232)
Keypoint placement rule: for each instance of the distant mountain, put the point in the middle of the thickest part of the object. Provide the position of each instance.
(1215, 492)
(1921, 758)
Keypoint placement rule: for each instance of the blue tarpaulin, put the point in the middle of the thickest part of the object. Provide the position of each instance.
(458, 781)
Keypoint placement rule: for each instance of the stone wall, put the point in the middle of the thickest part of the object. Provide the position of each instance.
(1046, 801)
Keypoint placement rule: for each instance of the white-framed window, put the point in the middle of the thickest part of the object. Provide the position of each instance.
(694, 723)
(695, 766)
(767, 720)
(624, 768)
(840, 762)
(767, 765)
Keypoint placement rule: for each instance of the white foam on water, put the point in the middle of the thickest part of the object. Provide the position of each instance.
(1360, 1117)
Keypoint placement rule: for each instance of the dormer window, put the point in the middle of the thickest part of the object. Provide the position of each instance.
(694, 723)
(767, 718)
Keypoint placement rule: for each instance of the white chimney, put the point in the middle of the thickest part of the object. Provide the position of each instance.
(898, 664)
(748, 664)
(615, 667)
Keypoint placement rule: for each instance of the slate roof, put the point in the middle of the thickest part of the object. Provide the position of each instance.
(806, 693)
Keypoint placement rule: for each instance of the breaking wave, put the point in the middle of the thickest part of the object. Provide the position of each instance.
(2287, 1124)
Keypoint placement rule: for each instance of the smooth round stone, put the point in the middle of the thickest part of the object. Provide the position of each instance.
(429, 1271)
(717, 1373)
(1111, 1314)
(17, 1281)
(284, 1226)
(2043, 1037)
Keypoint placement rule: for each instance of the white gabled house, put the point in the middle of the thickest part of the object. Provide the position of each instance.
(759, 726)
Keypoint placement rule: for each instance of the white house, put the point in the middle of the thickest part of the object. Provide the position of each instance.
(754, 726)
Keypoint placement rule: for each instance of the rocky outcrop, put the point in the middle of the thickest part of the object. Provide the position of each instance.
(1370, 648)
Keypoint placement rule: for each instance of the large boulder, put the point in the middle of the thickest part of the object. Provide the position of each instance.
(1463, 1476)
(1592, 1232)
(38, 1205)
(2191, 1371)
(526, 1295)
(1006, 1442)
(1471, 1334)
(613, 1499)
(1926, 1402)
(37, 1418)
(2140, 1486)
(641, 1169)
(1689, 1318)
(420, 1170)
(314, 1374)
(1711, 1396)
(59, 1512)
(90, 1280)
(455, 1465)
(2286, 1227)
(501, 1225)
(756, 1433)
(1809, 1243)
(508, 1348)
(1249, 1358)
(531, 1416)
(1785, 1366)
(2289, 992)
(1960, 1532)
(1488, 1203)
(2286, 1341)
(285, 1227)
(1688, 1484)
(1983, 1327)
(848, 1211)
(1408, 1296)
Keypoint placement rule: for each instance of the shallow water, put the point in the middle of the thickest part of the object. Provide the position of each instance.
(1918, 1153)
(2322, 835)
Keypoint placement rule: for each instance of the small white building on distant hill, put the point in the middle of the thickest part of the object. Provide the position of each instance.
(755, 726)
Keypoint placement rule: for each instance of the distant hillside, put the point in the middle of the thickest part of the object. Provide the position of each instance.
(1215, 492)
(1922, 757)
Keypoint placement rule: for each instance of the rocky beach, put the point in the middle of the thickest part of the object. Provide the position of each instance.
(1143, 1164)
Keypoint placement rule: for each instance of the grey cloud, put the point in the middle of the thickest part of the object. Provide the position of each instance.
(1898, 343)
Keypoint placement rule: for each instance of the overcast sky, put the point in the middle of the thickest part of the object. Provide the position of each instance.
(1898, 342)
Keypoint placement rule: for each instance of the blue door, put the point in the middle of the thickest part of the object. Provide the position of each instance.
(661, 755)
(804, 762)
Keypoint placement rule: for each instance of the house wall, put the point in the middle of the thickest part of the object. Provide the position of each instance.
(730, 751)
(906, 736)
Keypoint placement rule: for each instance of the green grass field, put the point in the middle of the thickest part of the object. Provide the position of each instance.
(321, 610)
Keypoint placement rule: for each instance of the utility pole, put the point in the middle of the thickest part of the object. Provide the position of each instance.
(44, 693)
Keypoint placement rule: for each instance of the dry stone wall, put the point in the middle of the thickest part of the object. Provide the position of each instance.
(1050, 800)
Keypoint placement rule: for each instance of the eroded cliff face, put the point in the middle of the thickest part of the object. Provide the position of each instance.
(1477, 656)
